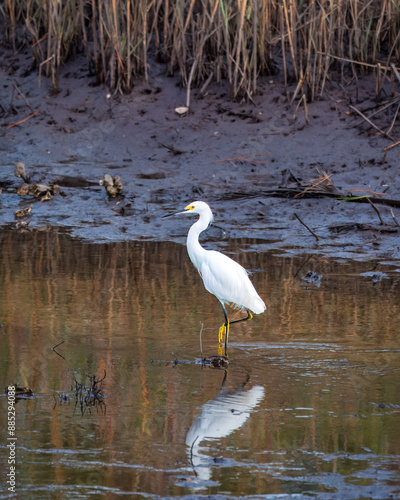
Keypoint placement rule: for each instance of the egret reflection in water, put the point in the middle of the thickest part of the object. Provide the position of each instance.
(218, 419)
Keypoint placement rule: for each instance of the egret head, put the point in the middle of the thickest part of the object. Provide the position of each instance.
(196, 207)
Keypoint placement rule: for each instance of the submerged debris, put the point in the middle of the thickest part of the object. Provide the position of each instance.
(386, 405)
(19, 391)
(22, 225)
(313, 278)
(91, 396)
(62, 399)
(376, 276)
(215, 361)
(86, 397)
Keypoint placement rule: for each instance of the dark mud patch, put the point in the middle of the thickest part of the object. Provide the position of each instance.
(215, 151)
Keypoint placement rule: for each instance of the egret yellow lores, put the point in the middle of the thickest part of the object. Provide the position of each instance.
(222, 276)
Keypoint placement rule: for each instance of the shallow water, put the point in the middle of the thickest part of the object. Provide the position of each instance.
(308, 408)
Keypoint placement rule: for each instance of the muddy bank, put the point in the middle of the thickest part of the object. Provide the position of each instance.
(231, 155)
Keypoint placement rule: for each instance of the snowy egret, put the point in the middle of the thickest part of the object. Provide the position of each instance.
(222, 276)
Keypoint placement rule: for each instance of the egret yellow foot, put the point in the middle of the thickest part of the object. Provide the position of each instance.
(223, 332)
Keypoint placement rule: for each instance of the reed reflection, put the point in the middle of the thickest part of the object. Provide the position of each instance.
(327, 357)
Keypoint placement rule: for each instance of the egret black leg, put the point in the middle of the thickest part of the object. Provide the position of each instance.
(249, 316)
(225, 327)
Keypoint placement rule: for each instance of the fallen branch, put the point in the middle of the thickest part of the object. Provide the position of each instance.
(313, 194)
(351, 226)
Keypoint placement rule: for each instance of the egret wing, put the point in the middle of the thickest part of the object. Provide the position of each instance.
(229, 281)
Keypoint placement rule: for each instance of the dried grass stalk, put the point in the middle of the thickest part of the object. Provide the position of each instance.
(235, 40)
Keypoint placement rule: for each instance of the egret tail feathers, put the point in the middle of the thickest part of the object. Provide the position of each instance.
(257, 306)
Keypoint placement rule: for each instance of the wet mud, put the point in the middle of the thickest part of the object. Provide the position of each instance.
(234, 156)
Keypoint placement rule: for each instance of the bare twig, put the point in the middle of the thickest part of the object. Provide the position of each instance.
(201, 346)
(366, 191)
(393, 217)
(42, 64)
(24, 120)
(392, 145)
(190, 83)
(54, 349)
(24, 98)
(381, 108)
(395, 71)
(305, 225)
(352, 61)
(394, 119)
(377, 211)
(206, 84)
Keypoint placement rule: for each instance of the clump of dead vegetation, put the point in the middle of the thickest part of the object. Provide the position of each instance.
(237, 40)
(87, 397)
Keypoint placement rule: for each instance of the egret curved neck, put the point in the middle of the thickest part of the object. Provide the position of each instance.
(195, 250)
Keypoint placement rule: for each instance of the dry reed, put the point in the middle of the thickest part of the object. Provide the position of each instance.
(202, 40)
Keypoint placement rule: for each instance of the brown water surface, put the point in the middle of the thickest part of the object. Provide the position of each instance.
(308, 408)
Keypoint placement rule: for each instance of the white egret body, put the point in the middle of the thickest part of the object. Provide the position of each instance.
(222, 276)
